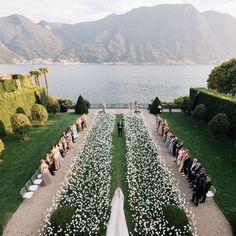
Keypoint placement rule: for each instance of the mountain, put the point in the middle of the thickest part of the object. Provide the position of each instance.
(169, 33)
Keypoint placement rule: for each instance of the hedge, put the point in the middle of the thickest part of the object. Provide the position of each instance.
(216, 103)
(9, 102)
(7, 86)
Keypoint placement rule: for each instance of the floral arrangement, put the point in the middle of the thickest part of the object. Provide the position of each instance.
(87, 184)
(151, 185)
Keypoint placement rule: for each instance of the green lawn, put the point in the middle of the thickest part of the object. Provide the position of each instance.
(217, 156)
(21, 159)
(119, 170)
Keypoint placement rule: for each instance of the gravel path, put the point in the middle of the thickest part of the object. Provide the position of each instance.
(28, 218)
(210, 221)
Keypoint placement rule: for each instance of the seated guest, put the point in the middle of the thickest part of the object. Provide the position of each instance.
(46, 176)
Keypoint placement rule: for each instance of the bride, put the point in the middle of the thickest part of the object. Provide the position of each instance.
(117, 224)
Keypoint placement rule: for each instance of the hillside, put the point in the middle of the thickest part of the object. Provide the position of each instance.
(176, 33)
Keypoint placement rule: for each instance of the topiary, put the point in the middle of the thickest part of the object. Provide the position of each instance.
(155, 106)
(176, 219)
(2, 129)
(21, 124)
(1, 146)
(81, 107)
(39, 113)
(53, 105)
(199, 112)
(218, 124)
(61, 216)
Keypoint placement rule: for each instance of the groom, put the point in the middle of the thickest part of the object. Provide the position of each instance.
(120, 126)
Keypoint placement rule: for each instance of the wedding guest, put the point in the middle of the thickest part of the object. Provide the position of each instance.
(207, 187)
(199, 192)
(46, 176)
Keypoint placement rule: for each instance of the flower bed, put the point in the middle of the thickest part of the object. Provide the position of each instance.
(87, 185)
(151, 186)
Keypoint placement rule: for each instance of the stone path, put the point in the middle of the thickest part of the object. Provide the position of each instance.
(210, 221)
(28, 218)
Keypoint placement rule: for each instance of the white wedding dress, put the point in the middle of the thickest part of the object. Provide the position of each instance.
(117, 224)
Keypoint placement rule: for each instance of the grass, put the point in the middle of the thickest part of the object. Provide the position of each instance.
(218, 156)
(119, 170)
(21, 160)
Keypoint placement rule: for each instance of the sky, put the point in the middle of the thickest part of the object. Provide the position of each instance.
(75, 11)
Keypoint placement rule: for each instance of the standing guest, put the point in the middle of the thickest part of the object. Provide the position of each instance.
(78, 125)
(83, 121)
(120, 126)
(46, 176)
(200, 188)
(170, 107)
(207, 187)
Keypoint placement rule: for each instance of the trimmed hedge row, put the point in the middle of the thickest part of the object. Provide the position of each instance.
(7, 86)
(216, 103)
(10, 102)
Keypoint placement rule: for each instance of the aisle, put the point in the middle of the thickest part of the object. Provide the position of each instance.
(29, 216)
(210, 220)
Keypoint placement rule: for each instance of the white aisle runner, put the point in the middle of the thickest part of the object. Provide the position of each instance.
(117, 224)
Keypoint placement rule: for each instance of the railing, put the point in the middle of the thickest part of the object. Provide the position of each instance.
(121, 106)
(116, 106)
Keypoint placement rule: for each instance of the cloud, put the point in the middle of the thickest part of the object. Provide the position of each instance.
(72, 11)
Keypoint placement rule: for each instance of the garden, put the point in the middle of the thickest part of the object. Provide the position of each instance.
(153, 205)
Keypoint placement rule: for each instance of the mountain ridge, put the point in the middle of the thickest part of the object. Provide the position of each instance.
(164, 34)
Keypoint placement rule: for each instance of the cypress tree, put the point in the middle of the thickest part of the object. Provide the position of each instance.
(154, 107)
(81, 107)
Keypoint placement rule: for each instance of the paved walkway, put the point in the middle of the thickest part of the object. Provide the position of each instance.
(28, 218)
(209, 219)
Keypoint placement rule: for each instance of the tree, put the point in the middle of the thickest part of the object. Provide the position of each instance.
(155, 106)
(39, 113)
(44, 71)
(1, 146)
(53, 105)
(81, 107)
(223, 77)
(218, 124)
(36, 74)
(21, 124)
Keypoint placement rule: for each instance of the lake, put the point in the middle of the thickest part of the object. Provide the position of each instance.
(120, 83)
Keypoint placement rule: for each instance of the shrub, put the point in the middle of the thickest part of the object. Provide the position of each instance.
(65, 101)
(179, 101)
(218, 124)
(21, 124)
(61, 216)
(9, 102)
(2, 129)
(176, 217)
(1, 146)
(39, 113)
(199, 112)
(154, 109)
(81, 107)
(53, 105)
